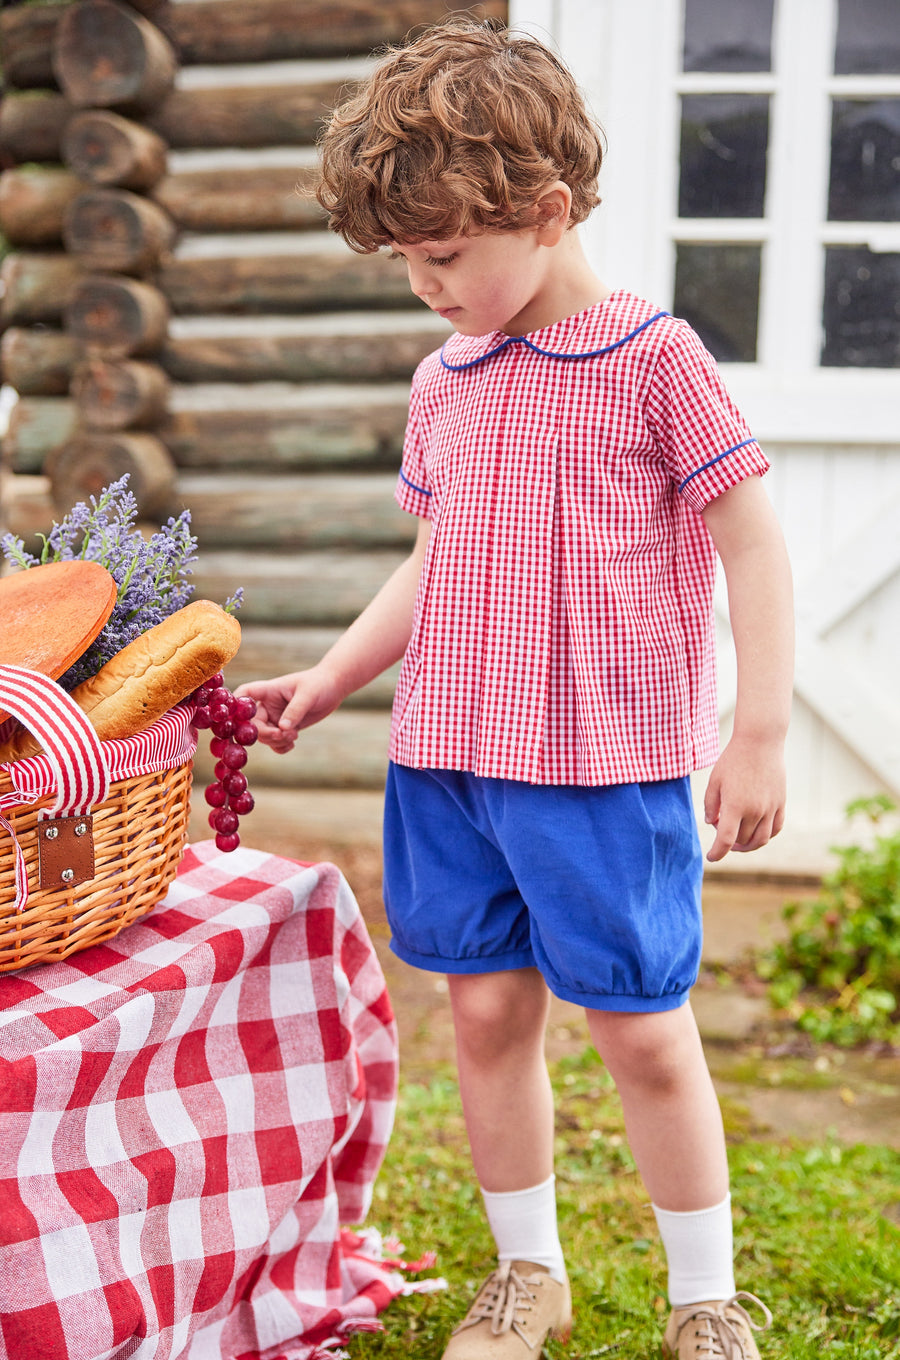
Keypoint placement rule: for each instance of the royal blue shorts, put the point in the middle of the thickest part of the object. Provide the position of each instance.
(598, 888)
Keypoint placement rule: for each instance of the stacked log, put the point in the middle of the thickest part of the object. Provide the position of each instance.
(93, 286)
(26, 41)
(175, 308)
(107, 55)
(105, 148)
(32, 123)
(33, 203)
(210, 31)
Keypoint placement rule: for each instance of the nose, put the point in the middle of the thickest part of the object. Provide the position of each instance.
(422, 283)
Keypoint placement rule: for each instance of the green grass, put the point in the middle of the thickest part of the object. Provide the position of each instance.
(817, 1231)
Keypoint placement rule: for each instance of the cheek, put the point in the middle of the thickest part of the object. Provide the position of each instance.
(496, 289)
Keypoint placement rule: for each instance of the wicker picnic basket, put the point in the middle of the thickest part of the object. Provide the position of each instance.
(118, 810)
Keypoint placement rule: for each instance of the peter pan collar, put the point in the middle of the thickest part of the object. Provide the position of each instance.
(571, 338)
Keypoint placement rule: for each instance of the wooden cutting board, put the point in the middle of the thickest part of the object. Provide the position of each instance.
(50, 615)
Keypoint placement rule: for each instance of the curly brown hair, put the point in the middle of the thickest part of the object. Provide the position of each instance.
(461, 131)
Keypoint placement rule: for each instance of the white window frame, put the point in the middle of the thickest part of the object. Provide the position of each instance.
(626, 56)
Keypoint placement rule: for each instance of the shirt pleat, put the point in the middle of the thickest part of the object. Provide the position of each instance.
(563, 631)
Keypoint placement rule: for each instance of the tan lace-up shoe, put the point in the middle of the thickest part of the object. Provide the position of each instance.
(516, 1308)
(722, 1328)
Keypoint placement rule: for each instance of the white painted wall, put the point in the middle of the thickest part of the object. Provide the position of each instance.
(833, 435)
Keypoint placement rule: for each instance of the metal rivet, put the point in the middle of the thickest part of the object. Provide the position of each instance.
(51, 833)
(80, 829)
(67, 875)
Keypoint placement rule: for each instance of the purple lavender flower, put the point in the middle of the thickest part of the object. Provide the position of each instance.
(151, 575)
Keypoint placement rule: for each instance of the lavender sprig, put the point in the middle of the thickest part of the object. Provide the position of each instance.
(151, 574)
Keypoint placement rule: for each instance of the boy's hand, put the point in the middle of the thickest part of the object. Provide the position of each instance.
(289, 703)
(746, 793)
(745, 796)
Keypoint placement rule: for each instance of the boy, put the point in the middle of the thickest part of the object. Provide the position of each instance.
(575, 464)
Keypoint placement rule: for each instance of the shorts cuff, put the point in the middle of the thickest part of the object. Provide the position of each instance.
(618, 1001)
(478, 963)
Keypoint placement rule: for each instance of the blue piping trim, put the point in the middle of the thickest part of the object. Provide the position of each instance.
(547, 353)
(712, 462)
(421, 490)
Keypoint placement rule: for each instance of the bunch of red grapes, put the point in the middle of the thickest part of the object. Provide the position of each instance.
(230, 720)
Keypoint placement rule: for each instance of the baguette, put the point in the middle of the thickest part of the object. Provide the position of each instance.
(149, 676)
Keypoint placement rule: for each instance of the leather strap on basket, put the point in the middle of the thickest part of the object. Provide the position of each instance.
(70, 743)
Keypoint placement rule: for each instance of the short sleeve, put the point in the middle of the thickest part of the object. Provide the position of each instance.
(412, 492)
(705, 440)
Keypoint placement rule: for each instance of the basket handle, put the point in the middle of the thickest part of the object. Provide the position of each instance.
(70, 743)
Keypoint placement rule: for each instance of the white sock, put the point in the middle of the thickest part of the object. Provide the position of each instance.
(524, 1225)
(700, 1251)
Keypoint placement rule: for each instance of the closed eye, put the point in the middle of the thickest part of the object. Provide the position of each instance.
(436, 260)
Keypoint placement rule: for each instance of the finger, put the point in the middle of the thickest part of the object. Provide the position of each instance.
(753, 836)
(294, 712)
(712, 803)
(283, 746)
(252, 689)
(726, 835)
(270, 736)
(264, 724)
(278, 741)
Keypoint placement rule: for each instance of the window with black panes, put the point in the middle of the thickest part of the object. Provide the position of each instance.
(728, 92)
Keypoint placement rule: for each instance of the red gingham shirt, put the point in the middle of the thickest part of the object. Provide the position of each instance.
(563, 631)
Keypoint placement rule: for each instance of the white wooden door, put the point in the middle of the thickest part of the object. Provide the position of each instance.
(832, 433)
(840, 510)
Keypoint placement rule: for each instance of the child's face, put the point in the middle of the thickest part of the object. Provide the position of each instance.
(495, 281)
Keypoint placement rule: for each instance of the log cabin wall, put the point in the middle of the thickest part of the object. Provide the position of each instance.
(173, 306)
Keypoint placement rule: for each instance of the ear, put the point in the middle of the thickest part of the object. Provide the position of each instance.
(552, 212)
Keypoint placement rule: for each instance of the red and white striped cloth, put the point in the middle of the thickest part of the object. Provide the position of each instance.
(75, 765)
(189, 1114)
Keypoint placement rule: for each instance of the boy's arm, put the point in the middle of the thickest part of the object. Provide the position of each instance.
(373, 642)
(746, 792)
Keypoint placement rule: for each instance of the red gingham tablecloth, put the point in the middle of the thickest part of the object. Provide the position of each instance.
(188, 1114)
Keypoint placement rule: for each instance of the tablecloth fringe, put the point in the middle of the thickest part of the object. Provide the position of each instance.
(367, 1244)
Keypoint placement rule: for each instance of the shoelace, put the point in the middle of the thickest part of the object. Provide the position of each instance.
(717, 1334)
(504, 1295)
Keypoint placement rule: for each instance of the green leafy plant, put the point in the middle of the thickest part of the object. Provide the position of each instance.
(838, 972)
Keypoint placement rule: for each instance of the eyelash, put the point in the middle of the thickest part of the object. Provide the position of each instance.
(436, 260)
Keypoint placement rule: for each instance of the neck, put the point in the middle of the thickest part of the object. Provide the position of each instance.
(569, 286)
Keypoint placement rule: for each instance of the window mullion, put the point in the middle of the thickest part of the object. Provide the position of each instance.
(799, 149)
